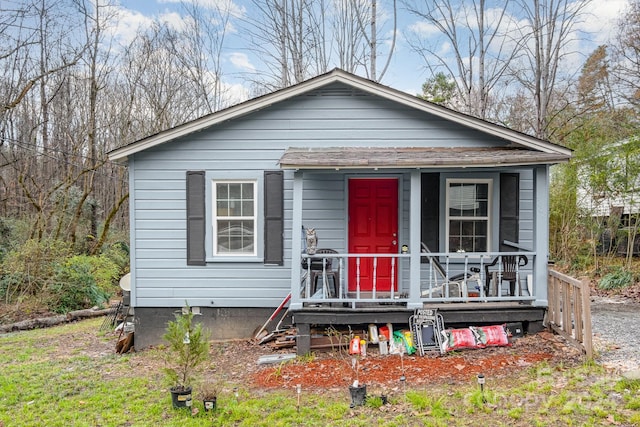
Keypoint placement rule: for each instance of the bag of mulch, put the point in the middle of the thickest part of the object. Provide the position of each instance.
(492, 336)
(457, 339)
(403, 338)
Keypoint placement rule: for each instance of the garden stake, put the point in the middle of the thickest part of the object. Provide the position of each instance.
(299, 391)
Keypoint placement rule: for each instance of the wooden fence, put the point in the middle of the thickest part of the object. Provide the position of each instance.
(570, 310)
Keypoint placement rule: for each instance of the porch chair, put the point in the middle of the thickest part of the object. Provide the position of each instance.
(456, 283)
(324, 279)
(510, 272)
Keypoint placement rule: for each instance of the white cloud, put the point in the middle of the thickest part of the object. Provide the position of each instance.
(235, 92)
(173, 20)
(601, 19)
(127, 25)
(241, 60)
(224, 5)
(424, 29)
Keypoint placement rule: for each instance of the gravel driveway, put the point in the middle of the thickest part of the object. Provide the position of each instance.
(616, 330)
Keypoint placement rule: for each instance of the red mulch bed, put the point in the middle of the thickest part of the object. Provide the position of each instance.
(333, 369)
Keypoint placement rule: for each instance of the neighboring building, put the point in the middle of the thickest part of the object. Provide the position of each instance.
(218, 206)
(613, 196)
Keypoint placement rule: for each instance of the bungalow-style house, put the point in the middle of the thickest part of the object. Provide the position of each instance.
(413, 205)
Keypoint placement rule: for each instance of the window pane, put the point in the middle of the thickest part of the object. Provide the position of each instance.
(247, 191)
(235, 236)
(482, 198)
(468, 199)
(482, 191)
(247, 208)
(234, 191)
(234, 208)
(454, 243)
(222, 191)
(467, 236)
(222, 208)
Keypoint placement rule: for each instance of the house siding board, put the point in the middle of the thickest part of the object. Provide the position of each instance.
(175, 275)
(240, 146)
(323, 208)
(178, 245)
(224, 286)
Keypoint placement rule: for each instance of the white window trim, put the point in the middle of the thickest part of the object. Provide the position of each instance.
(448, 218)
(215, 218)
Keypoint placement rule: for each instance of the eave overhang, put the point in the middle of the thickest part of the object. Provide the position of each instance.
(413, 157)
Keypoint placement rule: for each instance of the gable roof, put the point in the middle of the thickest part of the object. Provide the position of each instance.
(341, 76)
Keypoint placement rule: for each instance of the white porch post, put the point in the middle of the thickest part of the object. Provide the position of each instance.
(541, 221)
(296, 247)
(414, 241)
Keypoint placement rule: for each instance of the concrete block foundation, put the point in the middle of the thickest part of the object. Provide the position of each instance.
(224, 323)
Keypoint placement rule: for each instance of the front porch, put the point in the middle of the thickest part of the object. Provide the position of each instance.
(469, 239)
(467, 289)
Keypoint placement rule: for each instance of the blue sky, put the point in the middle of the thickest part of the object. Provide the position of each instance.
(406, 71)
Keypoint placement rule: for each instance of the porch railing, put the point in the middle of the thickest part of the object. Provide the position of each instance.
(444, 277)
(470, 276)
(570, 309)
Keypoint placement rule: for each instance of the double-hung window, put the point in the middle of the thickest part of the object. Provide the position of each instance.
(468, 215)
(235, 218)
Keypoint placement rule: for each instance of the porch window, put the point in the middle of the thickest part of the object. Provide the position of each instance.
(468, 215)
(234, 222)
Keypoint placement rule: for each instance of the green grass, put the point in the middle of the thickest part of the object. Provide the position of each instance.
(45, 382)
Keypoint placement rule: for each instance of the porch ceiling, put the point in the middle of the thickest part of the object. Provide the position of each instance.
(412, 157)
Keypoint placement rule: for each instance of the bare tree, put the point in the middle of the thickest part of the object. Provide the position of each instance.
(198, 49)
(298, 39)
(481, 50)
(349, 34)
(550, 28)
(158, 90)
(276, 37)
(364, 13)
(626, 55)
(23, 29)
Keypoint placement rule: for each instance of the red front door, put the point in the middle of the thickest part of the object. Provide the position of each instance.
(373, 228)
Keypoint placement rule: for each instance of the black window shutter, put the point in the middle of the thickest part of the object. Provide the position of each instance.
(430, 217)
(196, 220)
(274, 217)
(509, 209)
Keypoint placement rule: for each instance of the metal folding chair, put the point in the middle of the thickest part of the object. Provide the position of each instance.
(426, 326)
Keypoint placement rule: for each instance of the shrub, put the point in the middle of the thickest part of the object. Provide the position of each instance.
(118, 253)
(81, 282)
(29, 269)
(619, 278)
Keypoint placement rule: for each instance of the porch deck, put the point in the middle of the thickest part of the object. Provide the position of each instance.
(454, 315)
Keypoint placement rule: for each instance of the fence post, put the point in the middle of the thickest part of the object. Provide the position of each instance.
(586, 317)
